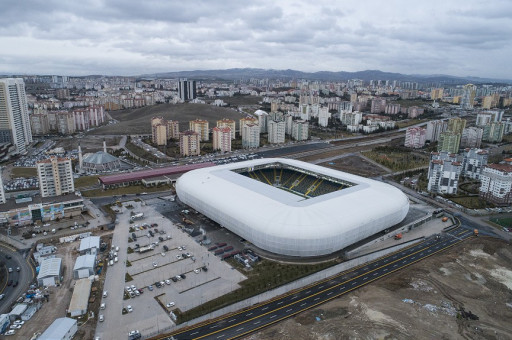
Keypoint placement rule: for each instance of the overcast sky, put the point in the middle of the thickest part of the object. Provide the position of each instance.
(131, 37)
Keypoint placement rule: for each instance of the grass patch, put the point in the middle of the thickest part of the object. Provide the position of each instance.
(470, 202)
(124, 190)
(128, 277)
(265, 276)
(128, 263)
(397, 158)
(86, 181)
(409, 122)
(504, 222)
(129, 250)
(141, 152)
(23, 172)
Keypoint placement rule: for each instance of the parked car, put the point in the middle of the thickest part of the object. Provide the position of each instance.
(103, 305)
(166, 248)
(101, 318)
(129, 309)
(150, 287)
(10, 332)
(105, 294)
(169, 305)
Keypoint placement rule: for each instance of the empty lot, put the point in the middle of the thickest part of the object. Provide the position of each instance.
(138, 121)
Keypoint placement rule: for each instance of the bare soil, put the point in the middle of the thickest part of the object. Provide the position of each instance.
(423, 301)
(138, 121)
(60, 298)
(354, 165)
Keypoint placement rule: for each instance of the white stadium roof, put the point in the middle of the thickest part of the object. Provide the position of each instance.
(285, 223)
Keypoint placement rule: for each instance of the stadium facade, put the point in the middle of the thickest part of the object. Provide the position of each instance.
(290, 207)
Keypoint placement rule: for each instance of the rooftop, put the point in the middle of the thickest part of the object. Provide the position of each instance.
(139, 175)
(80, 297)
(58, 329)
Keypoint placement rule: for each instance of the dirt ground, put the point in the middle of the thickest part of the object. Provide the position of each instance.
(87, 143)
(354, 165)
(60, 298)
(136, 121)
(423, 301)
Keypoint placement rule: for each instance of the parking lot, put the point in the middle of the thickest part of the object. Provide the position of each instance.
(171, 271)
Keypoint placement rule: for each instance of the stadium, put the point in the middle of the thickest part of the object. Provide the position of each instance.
(290, 207)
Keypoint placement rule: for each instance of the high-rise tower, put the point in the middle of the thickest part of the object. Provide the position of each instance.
(14, 119)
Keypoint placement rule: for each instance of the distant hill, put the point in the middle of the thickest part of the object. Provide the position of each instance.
(239, 73)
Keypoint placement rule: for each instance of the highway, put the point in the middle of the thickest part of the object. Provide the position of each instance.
(252, 319)
(23, 278)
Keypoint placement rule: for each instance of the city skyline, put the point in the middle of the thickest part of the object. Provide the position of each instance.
(460, 38)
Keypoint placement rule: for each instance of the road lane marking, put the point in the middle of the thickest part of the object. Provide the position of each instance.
(194, 333)
(289, 310)
(257, 322)
(240, 329)
(273, 316)
(303, 304)
(265, 308)
(248, 314)
(231, 320)
(424, 245)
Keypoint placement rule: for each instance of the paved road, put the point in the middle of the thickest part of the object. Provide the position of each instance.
(252, 319)
(24, 277)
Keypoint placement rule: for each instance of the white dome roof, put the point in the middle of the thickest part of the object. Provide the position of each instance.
(285, 223)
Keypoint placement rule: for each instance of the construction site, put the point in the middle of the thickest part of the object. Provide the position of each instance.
(462, 293)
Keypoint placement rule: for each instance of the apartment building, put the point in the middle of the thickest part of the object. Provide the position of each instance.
(276, 132)
(14, 118)
(229, 123)
(55, 176)
(473, 162)
(496, 183)
(415, 137)
(221, 139)
(250, 135)
(300, 130)
(190, 143)
(443, 173)
(200, 126)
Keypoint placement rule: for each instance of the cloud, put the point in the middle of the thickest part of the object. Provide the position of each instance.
(130, 37)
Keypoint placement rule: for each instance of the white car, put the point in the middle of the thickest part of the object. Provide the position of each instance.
(178, 257)
(10, 332)
(167, 282)
(19, 322)
(101, 318)
(15, 326)
(105, 294)
(103, 305)
(169, 305)
(155, 264)
(163, 254)
(128, 289)
(129, 309)
(196, 271)
(180, 248)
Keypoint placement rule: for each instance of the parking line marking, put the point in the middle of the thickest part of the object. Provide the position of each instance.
(248, 314)
(241, 328)
(289, 310)
(257, 322)
(265, 308)
(273, 316)
(231, 320)
(303, 304)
